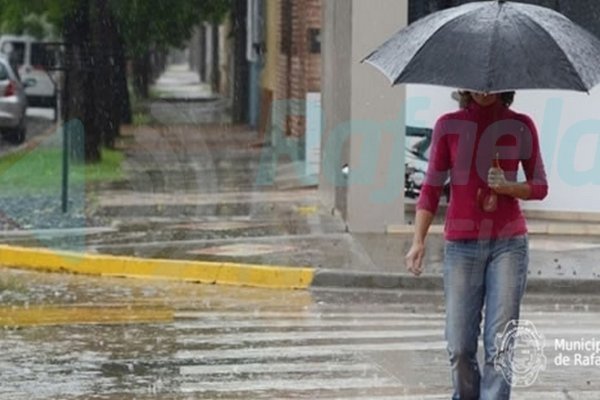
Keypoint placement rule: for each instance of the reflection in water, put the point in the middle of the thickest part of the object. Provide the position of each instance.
(69, 336)
(210, 342)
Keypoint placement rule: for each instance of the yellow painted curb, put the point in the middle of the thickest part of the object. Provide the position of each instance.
(53, 315)
(265, 276)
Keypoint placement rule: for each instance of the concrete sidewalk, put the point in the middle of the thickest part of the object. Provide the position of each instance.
(194, 194)
(181, 84)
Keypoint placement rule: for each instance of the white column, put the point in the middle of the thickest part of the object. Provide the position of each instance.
(363, 115)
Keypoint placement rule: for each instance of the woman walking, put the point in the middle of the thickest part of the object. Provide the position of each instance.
(480, 147)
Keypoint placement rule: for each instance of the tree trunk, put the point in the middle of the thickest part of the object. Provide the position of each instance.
(141, 75)
(202, 50)
(80, 94)
(122, 100)
(216, 67)
(158, 63)
(107, 119)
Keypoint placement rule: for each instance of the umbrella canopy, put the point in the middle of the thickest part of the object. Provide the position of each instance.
(492, 46)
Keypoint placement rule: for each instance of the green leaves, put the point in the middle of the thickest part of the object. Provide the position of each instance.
(144, 24)
(12, 14)
(35, 17)
(160, 23)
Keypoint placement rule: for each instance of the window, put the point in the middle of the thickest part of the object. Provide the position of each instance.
(3, 72)
(17, 57)
(40, 56)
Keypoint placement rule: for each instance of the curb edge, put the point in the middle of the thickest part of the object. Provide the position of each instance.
(236, 274)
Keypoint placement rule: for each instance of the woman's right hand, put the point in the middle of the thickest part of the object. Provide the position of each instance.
(414, 258)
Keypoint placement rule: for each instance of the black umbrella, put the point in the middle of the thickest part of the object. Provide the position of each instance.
(492, 46)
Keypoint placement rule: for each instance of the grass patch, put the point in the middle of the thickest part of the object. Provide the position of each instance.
(108, 170)
(140, 111)
(142, 118)
(155, 94)
(40, 170)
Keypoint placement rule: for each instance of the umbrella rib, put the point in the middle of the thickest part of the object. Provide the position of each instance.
(492, 48)
(570, 63)
(380, 69)
(431, 36)
(521, 42)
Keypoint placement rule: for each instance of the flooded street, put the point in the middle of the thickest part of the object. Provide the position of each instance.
(74, 337)
(252, 199)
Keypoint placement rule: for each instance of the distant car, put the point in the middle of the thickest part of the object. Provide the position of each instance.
(418, 143)
(13, 103)
(29, 57)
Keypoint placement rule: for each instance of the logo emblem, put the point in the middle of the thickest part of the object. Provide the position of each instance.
(520, 353)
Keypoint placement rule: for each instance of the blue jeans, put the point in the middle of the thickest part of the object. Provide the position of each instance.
(477, 272)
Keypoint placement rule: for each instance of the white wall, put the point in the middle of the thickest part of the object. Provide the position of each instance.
(569, 129)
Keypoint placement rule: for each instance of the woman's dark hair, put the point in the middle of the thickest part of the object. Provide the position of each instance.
(507, 98)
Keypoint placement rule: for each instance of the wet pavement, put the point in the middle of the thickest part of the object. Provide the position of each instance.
(194, 189)
(182, 84)
(75, 337)
(38, 122)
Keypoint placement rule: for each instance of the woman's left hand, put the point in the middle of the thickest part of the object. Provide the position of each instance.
(500, 185)
(497, 181)
(496, 177)
(518, 190)
(506, 188)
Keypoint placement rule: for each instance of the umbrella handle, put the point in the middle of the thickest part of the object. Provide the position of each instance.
(496, 161)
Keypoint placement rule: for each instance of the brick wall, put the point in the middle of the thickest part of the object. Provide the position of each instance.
(299, 70)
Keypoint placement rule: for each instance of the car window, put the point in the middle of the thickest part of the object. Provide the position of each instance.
(3, 72)
(17, 57)
(40, 57)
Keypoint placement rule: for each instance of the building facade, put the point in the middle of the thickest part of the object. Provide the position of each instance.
(299, 61)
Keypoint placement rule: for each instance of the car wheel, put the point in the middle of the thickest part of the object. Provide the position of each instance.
(17, 136)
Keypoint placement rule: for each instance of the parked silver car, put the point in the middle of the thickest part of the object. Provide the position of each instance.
(13, 103)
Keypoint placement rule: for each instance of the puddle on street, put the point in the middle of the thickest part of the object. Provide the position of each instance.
(77, 337)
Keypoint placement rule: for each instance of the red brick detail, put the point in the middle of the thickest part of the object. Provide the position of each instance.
(299, 71)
